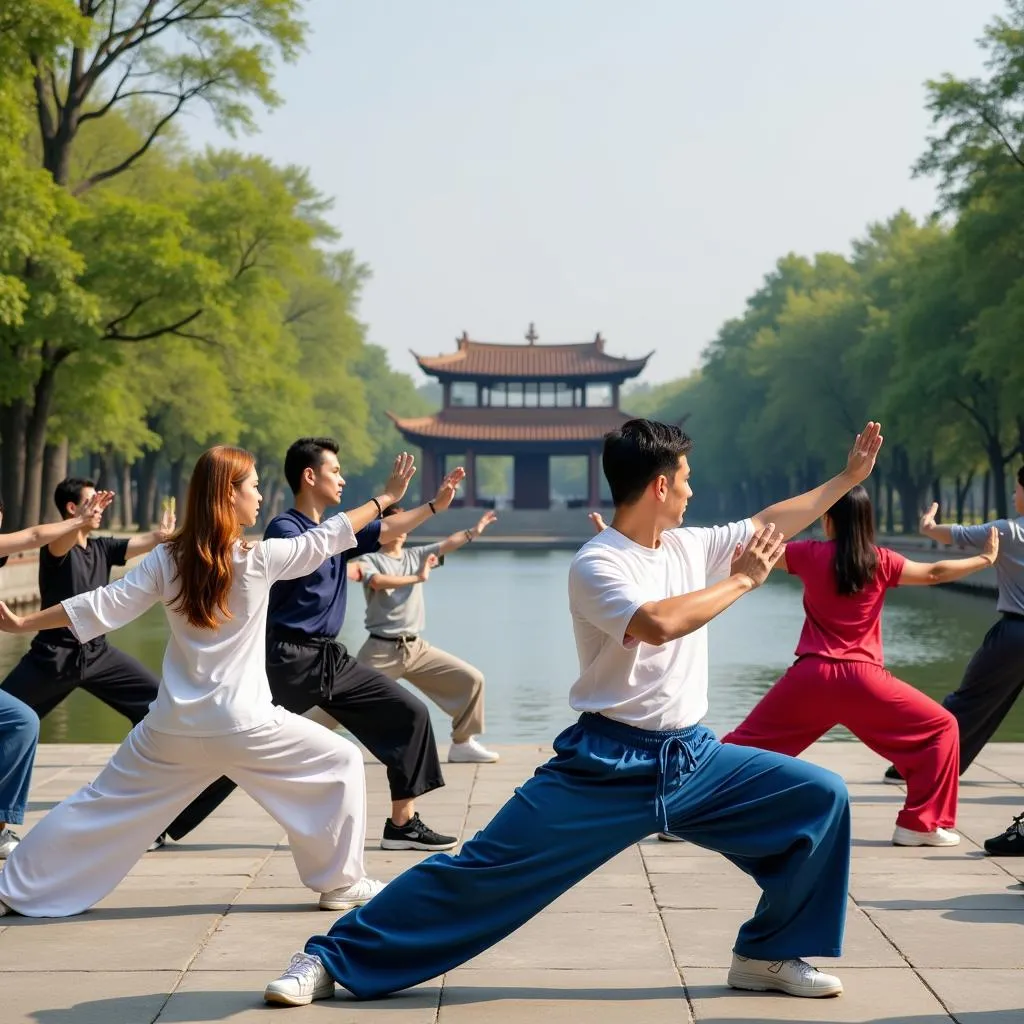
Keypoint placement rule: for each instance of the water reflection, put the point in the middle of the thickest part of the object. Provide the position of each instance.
(507, 612)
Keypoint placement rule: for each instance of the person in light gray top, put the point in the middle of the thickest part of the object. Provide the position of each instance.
(393, 579)
(994, 676)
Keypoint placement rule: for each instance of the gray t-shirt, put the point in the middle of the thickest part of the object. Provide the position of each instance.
(397, 612)
(1009, 563)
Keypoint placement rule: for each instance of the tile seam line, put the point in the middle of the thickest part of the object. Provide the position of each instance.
(212, 930)
(668, 941)
(920, 977)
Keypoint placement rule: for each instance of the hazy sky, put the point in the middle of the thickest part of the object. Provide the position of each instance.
(629, 167)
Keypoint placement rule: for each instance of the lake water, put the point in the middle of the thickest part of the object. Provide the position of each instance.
(507, 612)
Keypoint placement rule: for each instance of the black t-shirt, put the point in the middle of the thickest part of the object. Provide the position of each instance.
(77, 572)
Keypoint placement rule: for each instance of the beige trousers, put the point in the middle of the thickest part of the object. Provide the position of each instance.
(311, 781)
(452, 684)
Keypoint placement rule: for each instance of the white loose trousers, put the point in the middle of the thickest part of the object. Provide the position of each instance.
(310, 780)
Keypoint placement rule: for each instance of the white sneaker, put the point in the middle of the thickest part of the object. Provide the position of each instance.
(9, 840)
(471, 752)
(794, 977)
(305, 979)
(351, 896)
(937, 837)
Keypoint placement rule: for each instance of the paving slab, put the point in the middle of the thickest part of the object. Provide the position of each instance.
(197, 929)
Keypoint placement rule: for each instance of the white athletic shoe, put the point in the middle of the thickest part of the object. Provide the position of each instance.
(937, 837)
(351, 896)
(794, 977)
(471, 752)
(304, 980)
(9, 840)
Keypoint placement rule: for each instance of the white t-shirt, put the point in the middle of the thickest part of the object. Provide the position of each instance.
(652, 687)
(214, 681)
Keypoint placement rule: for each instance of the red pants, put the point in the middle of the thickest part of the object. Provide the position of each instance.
(919, 736)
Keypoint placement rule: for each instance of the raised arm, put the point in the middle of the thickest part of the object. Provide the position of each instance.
(797, 513)
(926, 574)
(406, 522)
(938, 532)
(382, 581)
(98, 611)
(143, 543)
(40, 536)
(659, 622)
(288, 558)
(463, 537)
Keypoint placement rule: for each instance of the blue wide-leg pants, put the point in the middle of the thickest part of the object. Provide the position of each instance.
(784, 822)
(19, 734)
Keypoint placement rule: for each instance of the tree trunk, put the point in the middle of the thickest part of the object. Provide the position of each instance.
(876, 482)
(35, 443)
(961, 494)
(994, 451)
(177, 483)
(104, 479)
(147, 491)
(937, 493)
(986, 496)
(890, 512)
(124, 472)
(55, 469)
(13, 422)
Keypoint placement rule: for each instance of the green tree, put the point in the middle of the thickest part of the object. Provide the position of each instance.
(151, 59)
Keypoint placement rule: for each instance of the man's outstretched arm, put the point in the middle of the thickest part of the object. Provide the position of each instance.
(797, 513)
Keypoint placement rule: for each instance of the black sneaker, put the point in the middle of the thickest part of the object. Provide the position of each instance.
(1010, 843)
(892, 776)
(414, 835)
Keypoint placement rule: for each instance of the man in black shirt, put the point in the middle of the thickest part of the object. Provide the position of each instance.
(56, 662)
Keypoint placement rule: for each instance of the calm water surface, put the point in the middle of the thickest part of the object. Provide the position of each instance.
(507, 612)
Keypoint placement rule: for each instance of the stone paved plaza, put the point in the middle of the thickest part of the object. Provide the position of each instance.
(197, 929)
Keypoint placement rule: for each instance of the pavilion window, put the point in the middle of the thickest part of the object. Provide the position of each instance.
(464, 392)
(515, 394)
(598, 396)
(563, 395)
(499, 398)
(531, 398)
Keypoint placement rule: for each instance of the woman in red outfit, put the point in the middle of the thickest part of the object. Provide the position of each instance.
(839, 676)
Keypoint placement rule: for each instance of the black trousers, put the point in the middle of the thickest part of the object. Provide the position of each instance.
(49, 672)
(388, 720)
(992, 682)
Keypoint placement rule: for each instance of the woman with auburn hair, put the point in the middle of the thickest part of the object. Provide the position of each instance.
(839, 677)
(213, 714)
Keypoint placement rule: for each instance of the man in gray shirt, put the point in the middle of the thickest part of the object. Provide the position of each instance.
(393, 579)
(994, 676)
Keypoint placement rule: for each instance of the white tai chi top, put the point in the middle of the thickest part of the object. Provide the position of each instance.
(658, 688)
(213, 681)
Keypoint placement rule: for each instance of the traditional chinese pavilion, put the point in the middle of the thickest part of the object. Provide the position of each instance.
(529, 401)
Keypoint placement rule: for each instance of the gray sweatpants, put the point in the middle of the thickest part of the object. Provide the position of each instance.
(992, 681)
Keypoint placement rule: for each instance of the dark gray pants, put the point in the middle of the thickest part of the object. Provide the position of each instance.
(992, 681)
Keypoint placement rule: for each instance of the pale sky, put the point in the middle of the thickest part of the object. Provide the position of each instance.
(633, 168)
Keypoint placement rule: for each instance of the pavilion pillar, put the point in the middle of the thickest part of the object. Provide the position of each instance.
(532, 481)
(470, 484)
(429, 479)
(594, 478)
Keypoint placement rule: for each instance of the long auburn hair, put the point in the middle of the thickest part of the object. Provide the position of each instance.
(853, 529)
(201, 547)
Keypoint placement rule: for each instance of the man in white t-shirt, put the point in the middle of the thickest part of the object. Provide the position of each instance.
(637, 761)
